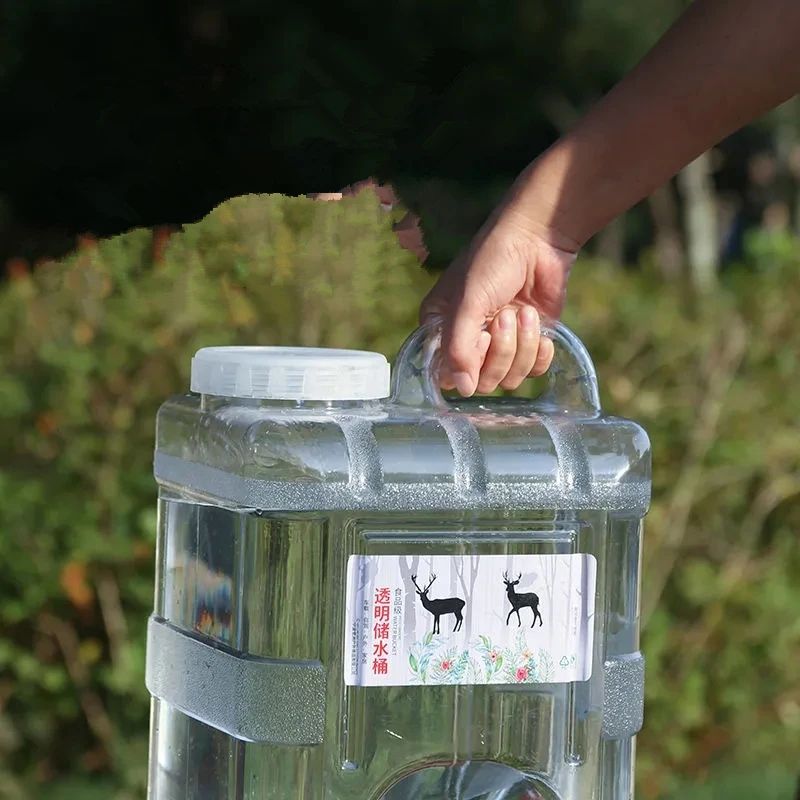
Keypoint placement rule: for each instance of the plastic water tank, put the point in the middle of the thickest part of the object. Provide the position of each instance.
(383, 595)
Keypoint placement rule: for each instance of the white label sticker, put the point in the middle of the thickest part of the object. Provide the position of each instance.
(469, 619)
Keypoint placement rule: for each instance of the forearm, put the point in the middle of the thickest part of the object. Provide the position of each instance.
(723, 64)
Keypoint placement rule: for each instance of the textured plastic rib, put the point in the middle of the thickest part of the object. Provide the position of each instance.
(256, 700)
(235, 491)
(623, 696)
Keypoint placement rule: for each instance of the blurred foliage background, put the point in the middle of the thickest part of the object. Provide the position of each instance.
(140, 118)
(89, 347)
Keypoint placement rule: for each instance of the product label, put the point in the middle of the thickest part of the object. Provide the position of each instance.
(469, 619)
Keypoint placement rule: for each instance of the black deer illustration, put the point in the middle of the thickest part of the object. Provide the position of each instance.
(440, 608)
(518, 601)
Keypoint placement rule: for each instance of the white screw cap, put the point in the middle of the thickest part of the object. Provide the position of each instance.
(290, 373)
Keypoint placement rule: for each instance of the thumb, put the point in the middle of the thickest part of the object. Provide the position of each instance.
(464, 344)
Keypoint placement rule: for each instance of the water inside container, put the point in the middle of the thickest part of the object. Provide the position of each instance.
(272, 586)
(471, 781)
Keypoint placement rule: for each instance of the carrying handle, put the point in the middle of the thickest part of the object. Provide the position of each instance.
(572, 380)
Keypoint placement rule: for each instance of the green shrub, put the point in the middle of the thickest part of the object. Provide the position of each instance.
(766, 783)
(88, 350)
(90, 347)
(715, 385)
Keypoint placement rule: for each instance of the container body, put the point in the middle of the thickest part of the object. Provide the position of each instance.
(270, 519)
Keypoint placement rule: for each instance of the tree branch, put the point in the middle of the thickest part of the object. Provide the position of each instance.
(721, 371)
(93, 709)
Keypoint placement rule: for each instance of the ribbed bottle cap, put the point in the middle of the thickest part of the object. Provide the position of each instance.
(290, 373)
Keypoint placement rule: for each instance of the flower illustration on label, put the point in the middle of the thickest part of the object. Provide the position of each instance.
(522, 674)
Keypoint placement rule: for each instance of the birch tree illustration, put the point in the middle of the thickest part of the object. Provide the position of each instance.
(368, 569)
(549, 575)
(456, 570)
(468, 588)
(407, 569)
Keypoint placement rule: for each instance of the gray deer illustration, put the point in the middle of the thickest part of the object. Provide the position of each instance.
(440, 608)
(526, 600)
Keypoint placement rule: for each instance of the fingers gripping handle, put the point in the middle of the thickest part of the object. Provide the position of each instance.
(572, 377)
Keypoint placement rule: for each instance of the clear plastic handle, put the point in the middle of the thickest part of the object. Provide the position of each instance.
(572, 380)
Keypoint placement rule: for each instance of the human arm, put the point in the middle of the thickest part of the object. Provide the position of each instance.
(723, 63)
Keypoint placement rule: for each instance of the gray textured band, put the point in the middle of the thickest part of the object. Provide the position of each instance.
(251, 493)
(254, 699)
(623, 696)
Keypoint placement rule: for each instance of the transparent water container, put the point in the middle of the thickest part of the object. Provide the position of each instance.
(389, 596)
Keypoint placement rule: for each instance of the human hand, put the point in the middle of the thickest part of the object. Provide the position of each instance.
(491, 300)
